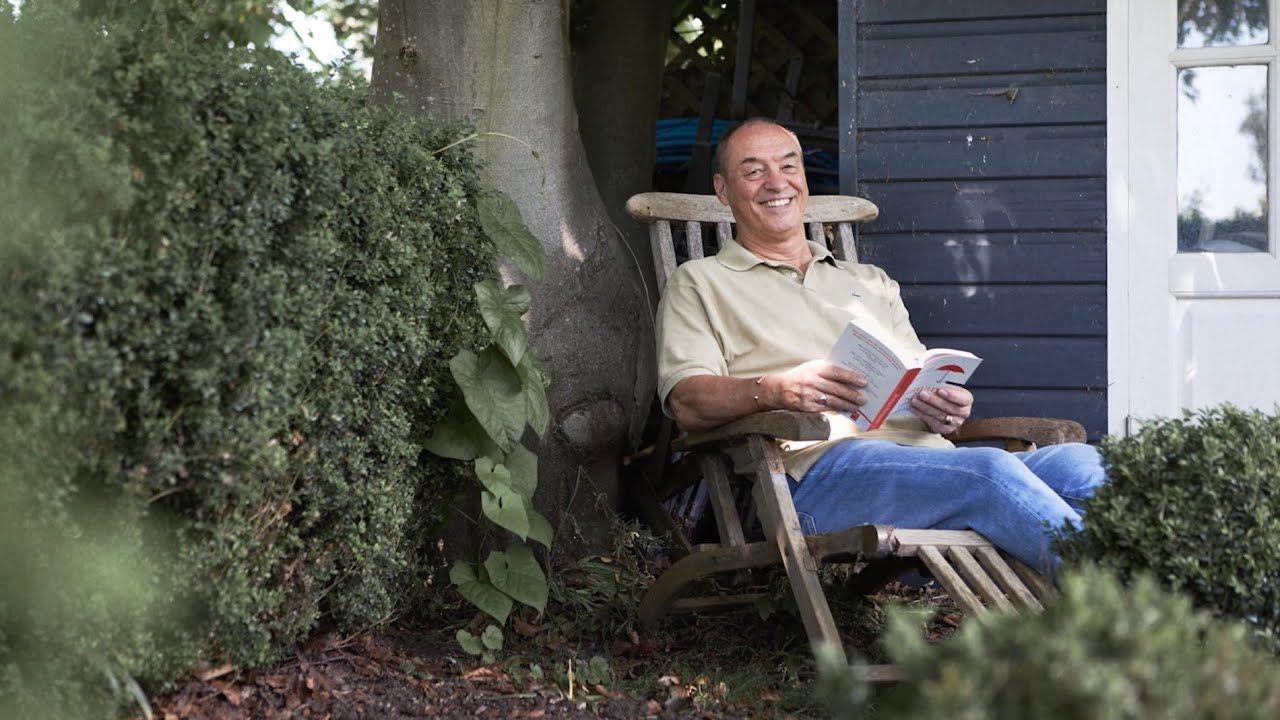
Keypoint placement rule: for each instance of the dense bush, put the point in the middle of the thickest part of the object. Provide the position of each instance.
(234, 289)
(1103, 650)
(1195, 501)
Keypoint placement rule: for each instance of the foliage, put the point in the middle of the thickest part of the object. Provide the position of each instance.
(1103, 650)
(237, 289)
(503, 389)
(1195, 501)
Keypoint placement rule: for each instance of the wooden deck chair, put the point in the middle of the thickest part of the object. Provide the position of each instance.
(968, 566)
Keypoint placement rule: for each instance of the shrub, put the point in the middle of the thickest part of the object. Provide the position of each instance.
(1195, 501)
(236, 288)
(1103, 650)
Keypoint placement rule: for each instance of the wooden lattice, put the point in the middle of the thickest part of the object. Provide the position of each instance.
(783, 30)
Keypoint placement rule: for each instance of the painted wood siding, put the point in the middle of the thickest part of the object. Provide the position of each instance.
(981, 134)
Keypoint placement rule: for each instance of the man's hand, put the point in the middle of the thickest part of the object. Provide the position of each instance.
(943, 409)
(814, 386)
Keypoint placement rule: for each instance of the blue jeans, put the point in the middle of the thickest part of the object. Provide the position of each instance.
(1014, 499)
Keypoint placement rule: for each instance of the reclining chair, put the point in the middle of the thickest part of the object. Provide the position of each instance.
(968, 566)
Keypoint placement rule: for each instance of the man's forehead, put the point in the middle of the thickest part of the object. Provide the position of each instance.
(763, 142)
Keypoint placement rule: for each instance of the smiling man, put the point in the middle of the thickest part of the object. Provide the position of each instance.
(744, 331)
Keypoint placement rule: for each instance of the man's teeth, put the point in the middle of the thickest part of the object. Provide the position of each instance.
(777, 203)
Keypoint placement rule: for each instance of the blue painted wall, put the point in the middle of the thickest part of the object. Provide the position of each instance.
(981, 134)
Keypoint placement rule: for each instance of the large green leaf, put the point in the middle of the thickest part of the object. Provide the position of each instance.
(493, 392)
(500, 219)
(492, 476)
(539, 528)
(517, 573)
(480, 593)
(506, 509)
(523, 467)
(533, 383)
(459, 435)
(501, 309)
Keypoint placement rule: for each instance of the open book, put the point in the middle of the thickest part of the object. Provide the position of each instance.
(892, 381)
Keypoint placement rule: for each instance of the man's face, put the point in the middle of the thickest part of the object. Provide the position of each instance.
(763, 184)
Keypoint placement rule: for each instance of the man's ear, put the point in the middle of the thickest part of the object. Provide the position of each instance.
(717, 182)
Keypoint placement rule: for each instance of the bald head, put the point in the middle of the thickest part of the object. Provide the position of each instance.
(722, 147)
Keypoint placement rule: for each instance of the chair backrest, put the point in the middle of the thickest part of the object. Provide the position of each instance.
(660, 210)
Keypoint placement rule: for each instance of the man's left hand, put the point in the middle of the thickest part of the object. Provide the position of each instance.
(943, 409)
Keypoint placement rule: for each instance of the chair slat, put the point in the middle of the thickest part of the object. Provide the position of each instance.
(716, 473)
(724, 233)
(846, 249)
(977, 577)
(1007, 579)
(664, 252)
(954, 586)
(693, 237)
(817, 234)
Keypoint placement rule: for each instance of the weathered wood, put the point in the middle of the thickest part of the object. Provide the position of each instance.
(742, 59)
(1007, 309)
(845, 248)
(1039, 431)
(782, 528)
(972, 152)
(787, 101)
(977, 578)
(885, 11)
(865, 540)
(664, 252)
(669, 586)
(781, 424)
(907, 542)
(986, 46)
(1007, 579)
(654, 206)
(693, 239)
(954, 585)
(724, 233)
(982, 101)
(978, 257)
(715, 473)
(817, 233)
(1038, 583)
(716, 602)
(990, 205)
(880, 674)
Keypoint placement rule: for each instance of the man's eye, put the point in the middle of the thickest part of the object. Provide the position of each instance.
(754, 173)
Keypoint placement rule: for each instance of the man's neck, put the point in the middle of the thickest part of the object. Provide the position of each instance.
(793, 251)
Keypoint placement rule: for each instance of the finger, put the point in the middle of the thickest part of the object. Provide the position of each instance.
(845, 394)
(842, 375)
(938, 404)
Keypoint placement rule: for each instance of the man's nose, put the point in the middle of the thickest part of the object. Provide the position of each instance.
(774, 179)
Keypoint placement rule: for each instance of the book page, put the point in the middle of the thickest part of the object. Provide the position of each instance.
(859, 350)
(939, 367)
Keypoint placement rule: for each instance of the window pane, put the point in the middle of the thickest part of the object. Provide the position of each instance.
(1209, 23)
(1222, 159)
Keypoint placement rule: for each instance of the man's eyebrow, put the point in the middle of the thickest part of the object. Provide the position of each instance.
(753, 158)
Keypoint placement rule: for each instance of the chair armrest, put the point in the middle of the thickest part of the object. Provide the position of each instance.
(780, 424)
(1038, 431)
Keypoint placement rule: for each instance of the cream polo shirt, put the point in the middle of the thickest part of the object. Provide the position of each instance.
(740, 316)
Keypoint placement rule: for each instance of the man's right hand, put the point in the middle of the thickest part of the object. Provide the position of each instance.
(702, 402)
(814, 386)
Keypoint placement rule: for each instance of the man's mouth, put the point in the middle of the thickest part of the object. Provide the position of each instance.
(777, 203)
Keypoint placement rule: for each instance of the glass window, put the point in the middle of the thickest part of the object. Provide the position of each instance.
(1222, 159)
(1214, 23)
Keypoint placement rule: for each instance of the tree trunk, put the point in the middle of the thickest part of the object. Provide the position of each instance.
(504, 66)
(617, 84)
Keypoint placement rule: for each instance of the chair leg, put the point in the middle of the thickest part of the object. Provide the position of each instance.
(782, 527)
(661, 597)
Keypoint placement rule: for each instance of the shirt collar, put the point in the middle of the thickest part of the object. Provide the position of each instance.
(735, 257)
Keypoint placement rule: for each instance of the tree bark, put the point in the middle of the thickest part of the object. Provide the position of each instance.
(503, 65)
(617, 86)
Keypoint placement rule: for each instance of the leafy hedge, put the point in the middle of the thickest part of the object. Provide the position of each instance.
(1194, 501)
(235, 289)
(1103, 650)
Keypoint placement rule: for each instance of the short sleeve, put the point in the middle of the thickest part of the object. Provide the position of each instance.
(687, 345)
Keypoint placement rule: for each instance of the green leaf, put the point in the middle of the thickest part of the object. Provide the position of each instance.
(480, 593)
(492, 637)
(470, 643)
(493, 393)
(517, 573)
(539, 529)
(493, 477)
(501, 309)
(506, 509)
(533, 383)
(500, 219)
(459, 435)
(523, 466)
